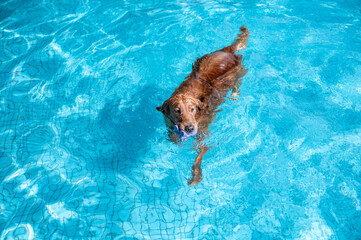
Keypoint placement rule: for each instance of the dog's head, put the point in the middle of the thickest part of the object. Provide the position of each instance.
(182, 110)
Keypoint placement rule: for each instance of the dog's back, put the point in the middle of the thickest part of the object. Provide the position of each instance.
(222, 69)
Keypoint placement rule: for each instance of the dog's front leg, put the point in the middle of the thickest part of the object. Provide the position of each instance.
(196, 168)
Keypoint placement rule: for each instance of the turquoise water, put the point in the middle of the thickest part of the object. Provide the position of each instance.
(84, 154)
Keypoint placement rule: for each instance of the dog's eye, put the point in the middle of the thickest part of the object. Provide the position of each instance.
(177, 110)
(192, 110)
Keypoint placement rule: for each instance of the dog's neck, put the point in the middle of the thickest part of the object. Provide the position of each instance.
(194, 87)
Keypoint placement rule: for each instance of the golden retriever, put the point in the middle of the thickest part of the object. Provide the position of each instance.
(192, 106)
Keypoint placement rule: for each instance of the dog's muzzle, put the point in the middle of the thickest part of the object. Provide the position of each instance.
(182, 134)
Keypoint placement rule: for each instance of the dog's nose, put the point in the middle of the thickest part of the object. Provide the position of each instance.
(189, 128)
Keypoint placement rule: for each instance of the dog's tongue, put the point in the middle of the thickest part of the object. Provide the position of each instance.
(182, 134)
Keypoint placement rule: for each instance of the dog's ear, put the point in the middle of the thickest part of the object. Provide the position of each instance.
(201, 103)
(164, 107)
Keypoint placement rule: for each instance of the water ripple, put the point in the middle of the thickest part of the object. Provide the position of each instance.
(84, 155)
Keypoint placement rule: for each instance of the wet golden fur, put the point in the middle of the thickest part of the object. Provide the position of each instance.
(194, 102)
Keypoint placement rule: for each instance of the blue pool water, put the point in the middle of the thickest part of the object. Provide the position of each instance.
(84, 154)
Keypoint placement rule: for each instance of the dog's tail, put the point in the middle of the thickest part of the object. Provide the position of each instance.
(240, 42)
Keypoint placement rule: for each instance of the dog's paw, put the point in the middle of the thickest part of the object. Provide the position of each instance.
(235, 94)
(233, 99)
(195, 180)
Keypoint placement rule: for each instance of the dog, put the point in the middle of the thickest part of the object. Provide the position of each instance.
(193, 105)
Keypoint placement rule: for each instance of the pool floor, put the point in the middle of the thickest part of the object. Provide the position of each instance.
(84, 153)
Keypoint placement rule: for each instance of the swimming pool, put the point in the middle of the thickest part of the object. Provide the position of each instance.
(84, 154)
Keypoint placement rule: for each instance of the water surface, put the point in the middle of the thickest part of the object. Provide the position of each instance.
(84, 154)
